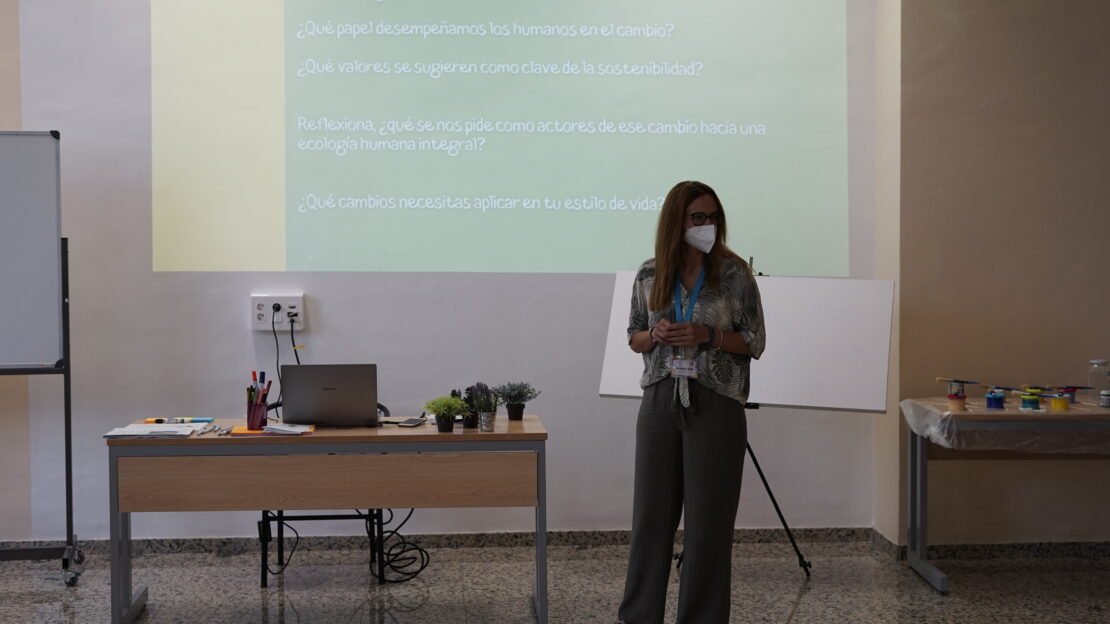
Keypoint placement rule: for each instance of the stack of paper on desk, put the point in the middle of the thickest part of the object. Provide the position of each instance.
(182, 430)
(288, 429)
(274, 429)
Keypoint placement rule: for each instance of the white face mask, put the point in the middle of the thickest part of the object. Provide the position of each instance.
(702, 237)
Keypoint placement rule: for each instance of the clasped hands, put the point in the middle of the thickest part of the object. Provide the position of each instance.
(680, 334)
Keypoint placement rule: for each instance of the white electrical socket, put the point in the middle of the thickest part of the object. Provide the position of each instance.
(263, 317)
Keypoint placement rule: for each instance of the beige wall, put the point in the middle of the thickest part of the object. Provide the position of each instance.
(1004, 227)
(15, 444)
(889, 468)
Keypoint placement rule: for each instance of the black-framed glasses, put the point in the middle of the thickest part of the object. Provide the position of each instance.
(699, 218)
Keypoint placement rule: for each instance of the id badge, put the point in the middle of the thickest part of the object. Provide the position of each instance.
(682, 367)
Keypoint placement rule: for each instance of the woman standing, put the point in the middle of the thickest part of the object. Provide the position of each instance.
(697, 318)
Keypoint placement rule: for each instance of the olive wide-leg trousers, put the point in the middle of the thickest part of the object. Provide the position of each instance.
(690, 463)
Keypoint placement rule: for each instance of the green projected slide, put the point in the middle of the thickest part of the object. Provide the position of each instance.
(536, 135)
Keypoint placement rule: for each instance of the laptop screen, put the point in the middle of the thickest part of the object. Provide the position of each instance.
(330, 394)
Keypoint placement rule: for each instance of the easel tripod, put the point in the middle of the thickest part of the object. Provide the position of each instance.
(805, 565)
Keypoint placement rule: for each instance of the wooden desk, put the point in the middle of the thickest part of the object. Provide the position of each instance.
(330, 469)
(1082, 431)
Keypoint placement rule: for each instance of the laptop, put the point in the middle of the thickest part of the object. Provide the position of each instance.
(330, 394)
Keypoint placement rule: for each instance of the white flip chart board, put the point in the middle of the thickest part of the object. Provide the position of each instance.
(828, 343)
(30, 250)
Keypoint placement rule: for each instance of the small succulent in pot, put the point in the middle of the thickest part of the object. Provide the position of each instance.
(446, 408)
(514, 395)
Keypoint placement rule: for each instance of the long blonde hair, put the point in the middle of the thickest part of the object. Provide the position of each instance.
(670, 243)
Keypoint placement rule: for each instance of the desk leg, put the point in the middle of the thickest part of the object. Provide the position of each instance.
(126, 605)
(540, 595)
(281, 537)
(378, 541)
(918, 551)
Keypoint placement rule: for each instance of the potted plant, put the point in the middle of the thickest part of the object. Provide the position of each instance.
(470, 415)
(514, 395)
(445, 409)
(483, 404)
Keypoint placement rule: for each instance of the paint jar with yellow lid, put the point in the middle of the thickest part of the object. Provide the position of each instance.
(1030, 402)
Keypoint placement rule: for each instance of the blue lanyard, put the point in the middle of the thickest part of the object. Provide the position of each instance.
(689, 315)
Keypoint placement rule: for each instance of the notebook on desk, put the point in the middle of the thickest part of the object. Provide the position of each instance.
(330, 394)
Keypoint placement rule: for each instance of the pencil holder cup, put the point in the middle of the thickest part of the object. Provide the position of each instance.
(256, 415)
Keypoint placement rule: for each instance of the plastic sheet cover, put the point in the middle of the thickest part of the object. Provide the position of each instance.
(1084, 428)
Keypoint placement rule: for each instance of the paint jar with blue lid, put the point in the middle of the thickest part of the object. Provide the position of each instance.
(996, 399)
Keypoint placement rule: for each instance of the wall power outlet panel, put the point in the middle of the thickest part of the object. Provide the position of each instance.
(278, 312)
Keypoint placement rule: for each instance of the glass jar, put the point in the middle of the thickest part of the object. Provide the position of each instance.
(1097, 379)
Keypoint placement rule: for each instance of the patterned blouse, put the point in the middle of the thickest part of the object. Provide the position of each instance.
(734, 307)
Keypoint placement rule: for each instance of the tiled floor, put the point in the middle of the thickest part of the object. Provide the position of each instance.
(492, 585)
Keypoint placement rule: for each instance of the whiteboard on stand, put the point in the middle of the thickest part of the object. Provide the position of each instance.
(828, 343)
(30, 250)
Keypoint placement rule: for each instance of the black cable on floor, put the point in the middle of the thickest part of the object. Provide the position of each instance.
(296, 542)
(403, 559)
